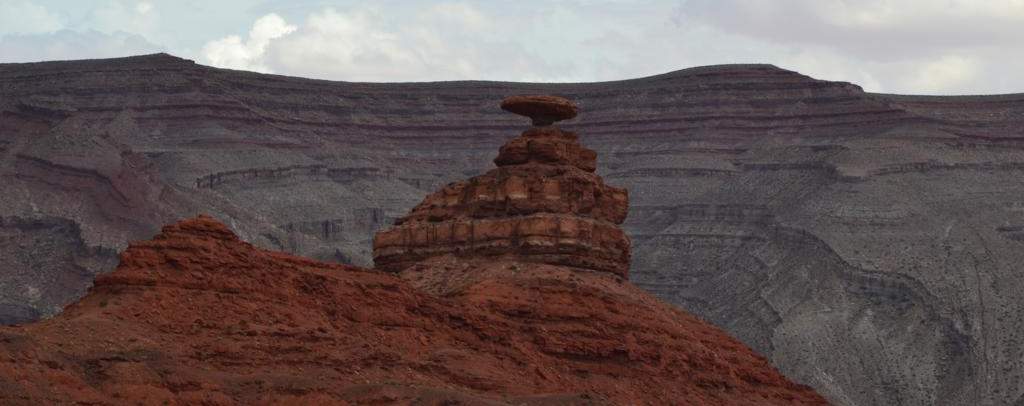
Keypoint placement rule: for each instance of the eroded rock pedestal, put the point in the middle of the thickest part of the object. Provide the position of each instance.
(543, 203)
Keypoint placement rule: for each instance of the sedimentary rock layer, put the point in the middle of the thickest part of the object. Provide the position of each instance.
(542, 204)
(868, 244)
(520, 190)
(197, 316)
(543, 238)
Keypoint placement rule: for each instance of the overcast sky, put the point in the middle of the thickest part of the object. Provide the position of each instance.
(897, 46)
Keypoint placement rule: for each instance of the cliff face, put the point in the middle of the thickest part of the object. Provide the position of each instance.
(867, 244)
(197, 316)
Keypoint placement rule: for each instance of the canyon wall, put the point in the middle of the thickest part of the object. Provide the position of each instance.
(868, 244)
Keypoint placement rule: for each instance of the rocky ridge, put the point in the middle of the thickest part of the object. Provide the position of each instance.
(868, 244)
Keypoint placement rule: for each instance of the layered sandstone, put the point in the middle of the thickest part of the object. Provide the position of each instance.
(198, 316)
(543, 203)
(869, 244)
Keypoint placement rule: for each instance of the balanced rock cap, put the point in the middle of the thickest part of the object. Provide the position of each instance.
(543, 110)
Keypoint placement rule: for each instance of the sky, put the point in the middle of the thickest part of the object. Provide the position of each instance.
(890, 46)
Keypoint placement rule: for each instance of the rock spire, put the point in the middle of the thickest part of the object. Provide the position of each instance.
(543, 203)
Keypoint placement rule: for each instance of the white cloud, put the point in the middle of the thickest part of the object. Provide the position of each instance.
(882, 30)
(233, 53)
(25, 17)
(137, 17)
(949, 73)
(354, 44)
(905, 46)
(884, 46)
(460, 14)
(892, 14)
(68, 44)
(445, 41)
(31, 32)
(144, 7)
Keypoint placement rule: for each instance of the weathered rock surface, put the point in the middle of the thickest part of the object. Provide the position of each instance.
(197, 316)
(542, 109)
(547, 145)
(870, 245)
(542, 204)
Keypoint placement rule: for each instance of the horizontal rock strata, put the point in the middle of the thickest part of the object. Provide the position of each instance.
(760, 199)
(521, 190)
(198, 316)
(542, 204)
(546, 238)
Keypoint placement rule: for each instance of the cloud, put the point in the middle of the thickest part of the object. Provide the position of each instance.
(231, 52)
(592, 40)
(353, 46)
(30, 32)
(143, 7)
(875, 30)
(947, 73)
(445, 41)
(69, 44)
(24, 17)
(133, 16)
(905, 46)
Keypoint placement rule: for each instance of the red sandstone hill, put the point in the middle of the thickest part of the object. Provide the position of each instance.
(197, 316)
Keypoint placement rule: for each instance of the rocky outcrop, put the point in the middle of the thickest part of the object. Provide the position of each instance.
(46, 259)
(864, 242)
(198, 316)
(542, 204)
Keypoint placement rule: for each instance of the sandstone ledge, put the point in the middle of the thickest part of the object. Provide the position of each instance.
(549, 145)
(548, 238)
(525, 189)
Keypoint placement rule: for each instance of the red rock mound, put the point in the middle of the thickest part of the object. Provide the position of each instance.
(196, 316)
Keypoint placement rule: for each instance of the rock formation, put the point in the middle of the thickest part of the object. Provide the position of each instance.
(197, 316)
(869, 244)
(543, 203)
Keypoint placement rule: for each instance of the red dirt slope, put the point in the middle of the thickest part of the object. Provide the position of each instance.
(198, 316)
